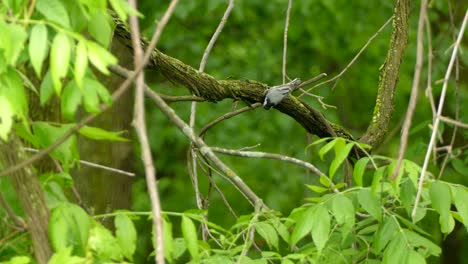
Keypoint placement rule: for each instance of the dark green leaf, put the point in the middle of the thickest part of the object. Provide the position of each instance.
(46, 88)
(385, 233)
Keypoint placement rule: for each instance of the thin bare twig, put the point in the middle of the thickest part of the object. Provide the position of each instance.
(457, 97)
(139, 123)
(453, 122)
(227, 116)
(257, 154)
(414, 88)
(285, 40)
(439, 112)
(355, 57)
(94, 165)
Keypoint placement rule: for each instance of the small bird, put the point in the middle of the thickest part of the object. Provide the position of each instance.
(276, 94)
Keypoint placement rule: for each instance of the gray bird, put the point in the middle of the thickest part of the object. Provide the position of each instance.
(276, 94)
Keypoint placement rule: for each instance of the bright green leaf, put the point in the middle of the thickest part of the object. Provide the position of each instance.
(97, 133)
(324, 150)
(54, 10)
(386, 232)
(415, 258)
(321, 226)
(100, 57)
(268, 233)
(189, 233)
(81, 63)
(418, 241)
(59, 60)
(343, 210)
(370, 203)
(461, 203)
(441, 199)
(359, 169)
(69, 225)
(6, 117)
(316, 189)
(341, 154)
(168, 240)
(126, 235)
(71, 99)
(99, 27)
(303, 225)
(38, 47)
(12, 43)
(46, 90)
(396, 251)
(103, 244)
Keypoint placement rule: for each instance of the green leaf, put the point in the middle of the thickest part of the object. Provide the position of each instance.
(65, 256)
(325, 181)
(46, 90)
(370, 203)
(359, 169)
(303, 225)
(71, 99)
(460, 199)
(386, 232)
(418, 241)
(343, 210)
(59, 60)
(168, 240)
(441, 199)
(47, 134)
(189, 233)
(99, 27)
(407, 195)
(103, 244)
(11, 86)
(54, 10)
(97, 133)
(268, 233)
(324, 150)
(100, 57)
(396, 252)
(6, 117)
(415, 258)
(69, 225)
(316, 189)
(19, 260)
(38, 47)
(122, 8)
(378, 174)
(341, 154)
(126, 235)
(12, 43)
(81, 63)
(320, 227)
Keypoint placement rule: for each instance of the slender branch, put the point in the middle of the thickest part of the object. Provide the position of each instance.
(355, 57)
(257, 154)
(227, 116)
(453, 122)
(285, 40)
(140, 127)
(414, 88)
(185, 98)
(435, 125)
(18, 221)
(94, 165)
(203, 148)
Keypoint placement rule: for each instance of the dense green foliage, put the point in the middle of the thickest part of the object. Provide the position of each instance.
(312, 219)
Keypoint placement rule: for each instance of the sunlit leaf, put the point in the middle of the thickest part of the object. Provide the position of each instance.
(59, 60)
(126, 235)
(38, 47)
(359, 169)
(268, 233)
(370, 203)
(190, 237)
(54, 10)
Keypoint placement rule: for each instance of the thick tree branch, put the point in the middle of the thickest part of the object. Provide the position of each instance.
(389, 73)
(205, 86)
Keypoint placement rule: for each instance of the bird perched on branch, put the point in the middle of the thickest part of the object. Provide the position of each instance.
(276, 94)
